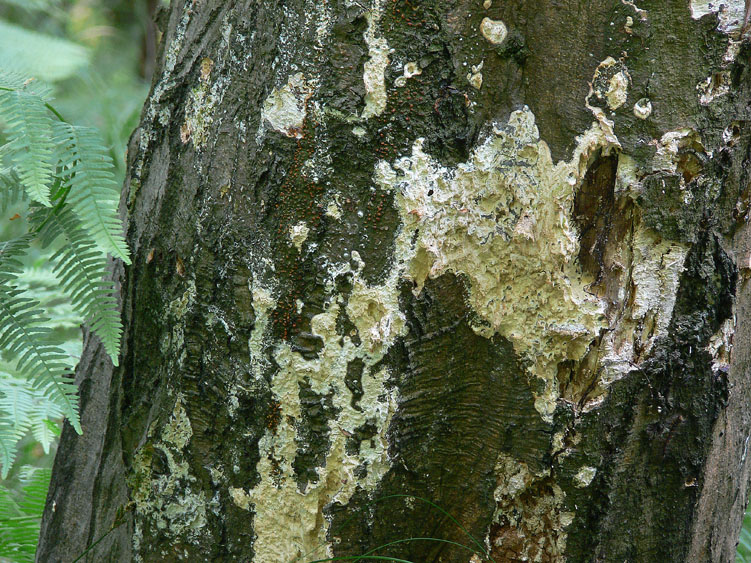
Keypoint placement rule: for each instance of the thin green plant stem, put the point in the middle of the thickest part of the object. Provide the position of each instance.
(119, 521)
(408, 540)
(46, 104)
(358, 557)
(454, 520)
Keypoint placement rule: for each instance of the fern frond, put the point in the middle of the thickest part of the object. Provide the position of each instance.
(11, 191)
(12, 80)
(35, 482)
(11, 252)
(81, 268)
(28, 126)
(21, 514)
(25, 336)
(50, 58)
(88, 172)
(16, 404)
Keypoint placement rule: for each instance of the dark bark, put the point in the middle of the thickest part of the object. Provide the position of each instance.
(642, 460)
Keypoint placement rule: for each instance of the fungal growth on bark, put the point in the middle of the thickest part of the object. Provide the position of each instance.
(484, 256)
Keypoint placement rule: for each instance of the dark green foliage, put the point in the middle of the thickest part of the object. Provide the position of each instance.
(67, 174)
(87, 174)
(28, 128)
(21, 514)
(80, 266)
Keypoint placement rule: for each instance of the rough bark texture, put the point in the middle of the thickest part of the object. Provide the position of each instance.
(491, 255)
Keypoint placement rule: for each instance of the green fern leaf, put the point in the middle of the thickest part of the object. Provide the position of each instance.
(11, 252)
(88, 173)
(29, 130)
(10, 80)
(48, 57)
(25, 336)
(21, 514)
(16, 404)
(81, 268)
(11, 191)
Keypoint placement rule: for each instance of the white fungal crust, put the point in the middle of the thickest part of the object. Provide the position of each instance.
(729, 12)
(277, 501)
(503, 219)
(375, 66)
(610, 82)
(286, 107)
(530, 514)
(584, 476)
(166, 501)
(643, 108)
(713, 87)
(298, 234)
(493, 30)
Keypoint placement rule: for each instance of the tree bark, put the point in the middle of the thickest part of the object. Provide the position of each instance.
(488, 255)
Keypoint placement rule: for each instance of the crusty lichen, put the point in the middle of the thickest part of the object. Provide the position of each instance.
(493, 30)
(714, 87)
(298, 234)
(503, 220)
(263, 303)
(729, 12)
(375, 66)
(530, 520)
(167, 501)
(286, 107)
(278, 502)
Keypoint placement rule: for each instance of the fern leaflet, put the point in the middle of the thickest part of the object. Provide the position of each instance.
(88, 173)
(21, 514)
(29, 130)
(25, 337)
(81, 269)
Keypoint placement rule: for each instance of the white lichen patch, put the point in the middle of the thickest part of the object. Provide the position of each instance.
(199, 115)
(721, 344)
(263, 303)
(493, 30)
(643, 108)
(167, 501)
(333, 209)
(530, 514)
(729, 12)
(286, 107)
(475, 77)
(410, 69)
(610, 82)
(658, 265)
(617, 90)
(668, 147)
(503, 219)
(713, 87)
(277, 501)
(375, 67)
(376, 315)
(655, 267)
(298, 234)
(584, 476)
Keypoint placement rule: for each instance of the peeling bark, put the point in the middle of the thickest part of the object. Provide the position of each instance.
(493, 255)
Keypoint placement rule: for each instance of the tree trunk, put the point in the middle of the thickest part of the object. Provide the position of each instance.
(490, 255)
